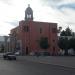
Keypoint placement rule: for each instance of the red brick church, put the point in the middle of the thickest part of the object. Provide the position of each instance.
(27, 35)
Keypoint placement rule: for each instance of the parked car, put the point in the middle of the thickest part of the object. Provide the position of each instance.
(9, 56)
(17, 53)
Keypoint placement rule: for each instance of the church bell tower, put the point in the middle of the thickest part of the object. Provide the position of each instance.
(28, 13)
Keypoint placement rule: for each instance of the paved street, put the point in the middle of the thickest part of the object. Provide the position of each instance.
(24, 67)
(66, 61)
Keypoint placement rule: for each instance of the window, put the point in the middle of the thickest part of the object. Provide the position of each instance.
(54, 30)
(28, 15)
(53, 40)
(26, 28)
(40, 30)
(27, 50)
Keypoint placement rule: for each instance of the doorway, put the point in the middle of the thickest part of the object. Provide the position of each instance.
(26, 50)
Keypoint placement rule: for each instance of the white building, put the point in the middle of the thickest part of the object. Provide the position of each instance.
(4, 43)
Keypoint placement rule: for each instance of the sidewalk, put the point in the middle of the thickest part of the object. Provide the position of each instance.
(66, 61)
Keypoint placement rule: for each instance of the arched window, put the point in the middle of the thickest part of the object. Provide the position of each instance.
(28, 15)
(40, 30)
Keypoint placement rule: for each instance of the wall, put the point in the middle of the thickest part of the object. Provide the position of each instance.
(30, 38)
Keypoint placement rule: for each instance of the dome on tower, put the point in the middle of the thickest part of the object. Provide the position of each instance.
(28, 13)
(29, 9)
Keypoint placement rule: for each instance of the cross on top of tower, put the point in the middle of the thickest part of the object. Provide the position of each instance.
(28, 5)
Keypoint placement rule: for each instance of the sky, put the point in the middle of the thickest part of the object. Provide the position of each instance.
(61, 12)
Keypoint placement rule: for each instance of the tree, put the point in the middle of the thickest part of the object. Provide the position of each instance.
(66, 32)
(64, 40)
(43, 42)
(72, 43)
(61, 43)
(62, 33)
(64, 44)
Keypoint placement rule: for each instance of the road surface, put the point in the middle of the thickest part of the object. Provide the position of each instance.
(20, 67)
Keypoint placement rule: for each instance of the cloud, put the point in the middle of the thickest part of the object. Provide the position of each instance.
(68, 5)
(13, 22)
(52, 3)
(5, 28)
(64, 7)
(6, 1)
(59, 4)
(59, 11)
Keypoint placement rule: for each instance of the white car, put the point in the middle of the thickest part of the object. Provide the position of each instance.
(9, 56)
(17, 53)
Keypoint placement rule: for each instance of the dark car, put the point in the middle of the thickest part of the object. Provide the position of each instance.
(9, 56)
